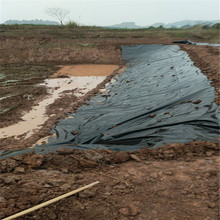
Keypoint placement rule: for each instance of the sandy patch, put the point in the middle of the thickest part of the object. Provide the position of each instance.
(86, 70)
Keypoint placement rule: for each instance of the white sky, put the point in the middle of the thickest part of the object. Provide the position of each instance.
(109, 12)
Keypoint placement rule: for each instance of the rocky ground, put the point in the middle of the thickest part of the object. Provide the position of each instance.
(177, 181)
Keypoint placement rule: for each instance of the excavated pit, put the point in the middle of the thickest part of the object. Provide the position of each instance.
(161, 97)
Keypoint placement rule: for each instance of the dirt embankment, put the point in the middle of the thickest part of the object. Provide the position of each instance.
(58, 52)
(172, 182)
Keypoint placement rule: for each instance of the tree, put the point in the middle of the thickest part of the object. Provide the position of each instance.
(58, 13)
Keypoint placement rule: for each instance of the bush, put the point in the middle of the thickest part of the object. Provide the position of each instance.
(216, 26)
(72, 24)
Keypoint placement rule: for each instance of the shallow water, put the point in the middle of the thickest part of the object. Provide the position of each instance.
(37, 116)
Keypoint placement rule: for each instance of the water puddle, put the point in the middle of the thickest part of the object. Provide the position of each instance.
(81, 78)
(86, 70)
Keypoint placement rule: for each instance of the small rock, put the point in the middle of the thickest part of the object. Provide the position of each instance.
(169, 173)
(2, 199)
(166, 113)
(87, 163)
(12, 179)
(55, 183)
(211, 205)
(135, 157)
(88, 193)
(34, 160)
(79, 205)
(153, 175)
(79, 177)
(209, 153)
(35, 200)
(63, 151)
(121, 156)
(92, 155)
(120, 187)
(133, 210)
(64, 170)
(48, 186)
(65, 187)
(19, 170)
(8, 165)
(124, 211)
(168, 154)
(74, 132)
(18, 158)
(196, 101)
(211, 145)
(144, 217)
(153, 115)
(108, 151)
(51, 215)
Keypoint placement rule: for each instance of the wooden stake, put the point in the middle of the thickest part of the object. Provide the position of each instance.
(50, 201)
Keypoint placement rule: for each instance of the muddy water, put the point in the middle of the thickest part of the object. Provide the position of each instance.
(82, 78)
(86, 70)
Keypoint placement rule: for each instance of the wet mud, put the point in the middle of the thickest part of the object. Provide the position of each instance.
(56, 111)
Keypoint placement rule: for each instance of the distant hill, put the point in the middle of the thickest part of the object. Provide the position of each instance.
(190, 23)
(156, 25)
(179, 24)
(36, 21)
(128, 25)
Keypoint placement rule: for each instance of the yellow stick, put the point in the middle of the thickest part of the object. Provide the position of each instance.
(50, 201)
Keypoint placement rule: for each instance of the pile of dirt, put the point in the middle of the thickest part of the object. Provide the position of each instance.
(172, 182)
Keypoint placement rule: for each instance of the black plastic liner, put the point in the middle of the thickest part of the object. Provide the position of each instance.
(151, 103)
(195, 43)
(160, 98)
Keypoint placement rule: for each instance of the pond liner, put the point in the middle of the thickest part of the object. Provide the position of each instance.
(161, 97)
(188, 42)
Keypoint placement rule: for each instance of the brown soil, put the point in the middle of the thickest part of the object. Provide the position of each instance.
(172, 182)
(207, 58)
(86, 70)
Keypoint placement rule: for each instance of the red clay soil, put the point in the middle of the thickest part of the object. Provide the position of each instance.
(172, 182)
(176, 181)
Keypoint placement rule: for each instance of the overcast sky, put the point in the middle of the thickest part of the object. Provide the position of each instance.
(108, 12)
